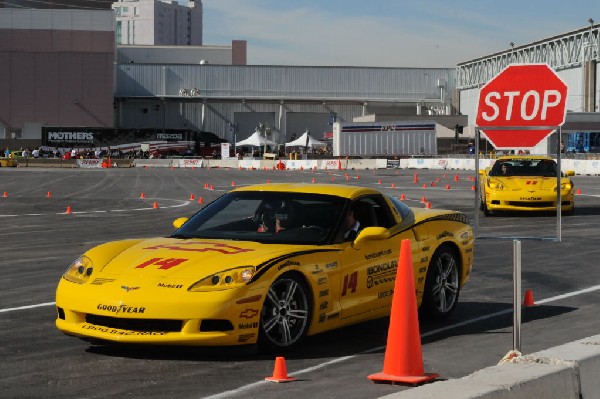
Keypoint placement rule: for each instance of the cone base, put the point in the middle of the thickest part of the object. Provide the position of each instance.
(402, 379)
(280, 379)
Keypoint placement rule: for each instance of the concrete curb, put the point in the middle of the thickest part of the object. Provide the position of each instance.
(563, 372)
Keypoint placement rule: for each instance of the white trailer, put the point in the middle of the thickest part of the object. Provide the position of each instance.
(371, 139)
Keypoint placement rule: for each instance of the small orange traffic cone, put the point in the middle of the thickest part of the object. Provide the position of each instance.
(578, 192)
(155, 205)
(456, 178)
(428, 205)
(5, 194)
(432, 184)
(200, 200)
(473, 187)
(393, 185)
(415, 177)
(424, 185)
(192, 197)
(69, 210)
(339, 164)
(528, 301)
(379, 181)
(232, 183)
(142, 195)
(447, 187)
(402, 197)
(403, 361)
(423, 200)
(49, 194)
(280, 371)
(313, 180)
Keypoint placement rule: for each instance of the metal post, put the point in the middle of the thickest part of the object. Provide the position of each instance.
(517, 295)
(558, 188)
(477, 182)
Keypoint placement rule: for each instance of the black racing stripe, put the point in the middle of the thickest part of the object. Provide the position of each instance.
(265, 266)
(453, 217)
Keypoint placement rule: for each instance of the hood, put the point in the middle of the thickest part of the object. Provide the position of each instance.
(191, 258)
(531, 184)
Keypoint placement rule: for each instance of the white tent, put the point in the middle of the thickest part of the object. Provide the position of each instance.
(256, 140)
(301, 142)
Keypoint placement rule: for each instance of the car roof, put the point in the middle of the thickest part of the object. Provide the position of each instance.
(345, 191)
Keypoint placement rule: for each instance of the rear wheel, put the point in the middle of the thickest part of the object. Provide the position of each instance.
(442, 285)
(285, 315)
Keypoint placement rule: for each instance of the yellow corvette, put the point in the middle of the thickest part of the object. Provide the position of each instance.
(524, 183)
(267, 265)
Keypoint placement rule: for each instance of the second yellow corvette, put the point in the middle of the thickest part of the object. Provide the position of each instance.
(525, 183)
(266, 264)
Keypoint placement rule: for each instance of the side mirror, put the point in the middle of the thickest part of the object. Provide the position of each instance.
(569, 173)
(177, 223)
(371, 234)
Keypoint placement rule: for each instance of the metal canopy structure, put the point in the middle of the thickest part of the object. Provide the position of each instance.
(564, 51)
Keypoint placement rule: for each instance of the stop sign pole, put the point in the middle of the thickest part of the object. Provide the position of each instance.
(518, 108)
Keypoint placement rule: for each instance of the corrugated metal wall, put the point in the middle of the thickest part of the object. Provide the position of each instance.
(208, 97)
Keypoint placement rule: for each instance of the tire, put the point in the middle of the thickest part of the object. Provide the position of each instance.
(484, 208)
(285, 315)
(442, 286)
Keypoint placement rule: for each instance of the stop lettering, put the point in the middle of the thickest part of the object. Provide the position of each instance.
(525, 95)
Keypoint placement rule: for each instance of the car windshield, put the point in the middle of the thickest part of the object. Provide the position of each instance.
(524, 167)
(268, 217)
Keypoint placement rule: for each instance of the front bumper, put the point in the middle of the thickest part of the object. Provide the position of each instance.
(216, 318)
(510, 201)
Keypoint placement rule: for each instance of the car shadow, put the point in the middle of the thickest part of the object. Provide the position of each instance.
(470, 318)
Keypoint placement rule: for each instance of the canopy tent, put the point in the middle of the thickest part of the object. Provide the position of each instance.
(256, 140)
(302, 142)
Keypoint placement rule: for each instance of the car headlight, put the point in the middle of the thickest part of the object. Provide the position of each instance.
(224, 280)
(496, 185)
(80, 270)
(567, 185)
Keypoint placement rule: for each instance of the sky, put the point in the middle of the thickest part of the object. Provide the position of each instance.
(387, 33)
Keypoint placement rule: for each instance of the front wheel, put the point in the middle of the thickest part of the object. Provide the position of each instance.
(285, 314)
(442, 284)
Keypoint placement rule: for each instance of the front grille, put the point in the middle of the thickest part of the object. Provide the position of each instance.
(524, 204)
(154, 325)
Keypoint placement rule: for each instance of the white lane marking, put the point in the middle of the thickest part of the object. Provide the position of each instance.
(247, 387)
(183, 203)
(39, 305)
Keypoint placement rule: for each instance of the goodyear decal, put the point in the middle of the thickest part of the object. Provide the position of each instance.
(265, 266)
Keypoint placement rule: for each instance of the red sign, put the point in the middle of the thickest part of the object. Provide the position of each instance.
(522, 95)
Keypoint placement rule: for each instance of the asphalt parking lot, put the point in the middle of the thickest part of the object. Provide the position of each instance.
(40, 238)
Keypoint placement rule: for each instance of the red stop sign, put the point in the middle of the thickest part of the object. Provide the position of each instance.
(523, 95)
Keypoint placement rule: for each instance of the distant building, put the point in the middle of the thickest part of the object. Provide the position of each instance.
(58, 4)
(154, 22)
(56, 69)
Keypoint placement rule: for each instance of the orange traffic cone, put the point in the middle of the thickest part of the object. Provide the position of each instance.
(403, 361)
(528, 301)
(200, 200)
(142, 195)
(339, 164)
(402, 197)
(393, 185)
(379, 181)
(432, 184)
(268, 181)
(578, 192)
(68, 211)
(428, 205)
(232, 183)
(456, 178)
(155, 205)
(192, 197)
(280, 372)
(49, 194)
(424, 185)
(5, 194)
(415, 177)
(447, 187)
(473, 187)
(423, 200)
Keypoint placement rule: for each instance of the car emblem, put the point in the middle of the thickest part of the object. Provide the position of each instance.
(126, 288)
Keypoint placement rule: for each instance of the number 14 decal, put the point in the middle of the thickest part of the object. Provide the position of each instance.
(350, 283)
(164, 264)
